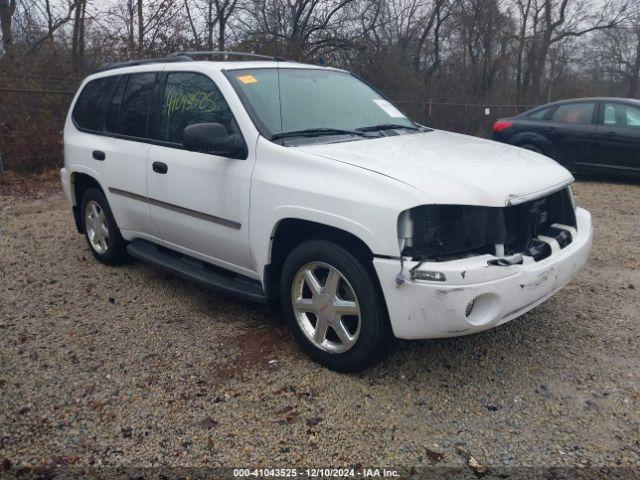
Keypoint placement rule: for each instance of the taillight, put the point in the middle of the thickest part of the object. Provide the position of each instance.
(500, 126)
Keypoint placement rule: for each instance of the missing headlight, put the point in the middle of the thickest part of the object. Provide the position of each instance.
(443, 231)
(438, 233)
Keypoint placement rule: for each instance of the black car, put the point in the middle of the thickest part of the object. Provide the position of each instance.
(587, 135)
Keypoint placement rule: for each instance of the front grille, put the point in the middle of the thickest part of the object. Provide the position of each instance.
(526, 222)
(447, 232)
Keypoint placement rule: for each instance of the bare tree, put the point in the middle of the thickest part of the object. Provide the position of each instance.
(7, 9)
(78, 37)
(627, 49)
(556, 21)
(297, 28)
(192, 25)
(55, 18)
(487, 35)
(224, 10)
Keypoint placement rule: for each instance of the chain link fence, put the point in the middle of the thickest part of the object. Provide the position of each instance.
(470, 118)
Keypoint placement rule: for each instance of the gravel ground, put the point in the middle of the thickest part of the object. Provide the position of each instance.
(132, 366)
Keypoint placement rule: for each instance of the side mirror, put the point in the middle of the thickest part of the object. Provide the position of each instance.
(213, 138)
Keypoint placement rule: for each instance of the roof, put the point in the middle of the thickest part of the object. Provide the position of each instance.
(592, 99)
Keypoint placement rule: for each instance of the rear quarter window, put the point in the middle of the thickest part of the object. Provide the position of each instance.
(130, 105)
(541, 114)
(89, 109)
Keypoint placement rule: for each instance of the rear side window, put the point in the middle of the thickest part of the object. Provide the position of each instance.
(575, 113)
(621, 115)
(191, 98)
(114, 107)
(89, 109)
(130, 105)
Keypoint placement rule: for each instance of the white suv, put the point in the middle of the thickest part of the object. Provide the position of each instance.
(295, 184)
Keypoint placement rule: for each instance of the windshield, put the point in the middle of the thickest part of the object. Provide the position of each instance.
(314, 102)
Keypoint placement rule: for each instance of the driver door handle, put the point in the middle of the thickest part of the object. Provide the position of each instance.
(160, 167)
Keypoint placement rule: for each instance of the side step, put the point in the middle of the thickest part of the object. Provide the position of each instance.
(200, 272)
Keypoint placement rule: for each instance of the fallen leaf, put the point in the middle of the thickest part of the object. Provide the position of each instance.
(476, 466)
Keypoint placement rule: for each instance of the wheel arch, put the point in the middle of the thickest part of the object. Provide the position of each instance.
(530, 137)
(80, 183)
(291, 231)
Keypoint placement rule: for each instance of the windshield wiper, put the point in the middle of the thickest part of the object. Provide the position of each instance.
(386, 126)
(318, 132)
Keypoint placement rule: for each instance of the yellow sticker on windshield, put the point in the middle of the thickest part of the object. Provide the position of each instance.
(246, 79)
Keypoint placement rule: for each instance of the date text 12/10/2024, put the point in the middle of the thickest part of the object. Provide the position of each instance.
(316, 472)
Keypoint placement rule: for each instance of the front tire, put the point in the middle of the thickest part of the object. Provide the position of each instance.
(334, 307)
(100, 229)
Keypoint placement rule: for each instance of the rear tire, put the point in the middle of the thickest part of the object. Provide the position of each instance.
(100, 229)
(334, 307)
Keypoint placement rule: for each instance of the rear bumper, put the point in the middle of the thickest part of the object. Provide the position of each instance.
(419, 309)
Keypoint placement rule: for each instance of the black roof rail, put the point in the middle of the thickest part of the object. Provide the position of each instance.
(185, 57)
(224, 53)
(132, 63)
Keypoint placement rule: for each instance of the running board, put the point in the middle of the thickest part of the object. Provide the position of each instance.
(198, 271)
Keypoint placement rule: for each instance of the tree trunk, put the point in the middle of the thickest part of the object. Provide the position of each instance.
(524, 11)
(78, 43)
(140, 28)
(7, 9)
(81, 41)
(634, 84)
(50, 23)
(130, 27)
(210, 26)
(194, 31)
(542, 52)
(74, 41)
(222, 23)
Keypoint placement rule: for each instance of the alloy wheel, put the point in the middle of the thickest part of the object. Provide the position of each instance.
(326, 307)
(97, 228)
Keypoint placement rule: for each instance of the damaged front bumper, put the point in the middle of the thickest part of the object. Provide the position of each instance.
(477, 296)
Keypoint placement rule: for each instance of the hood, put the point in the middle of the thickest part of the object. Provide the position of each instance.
(451, 168)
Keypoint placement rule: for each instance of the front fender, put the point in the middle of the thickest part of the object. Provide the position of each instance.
(290, 184)
(365, 234)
